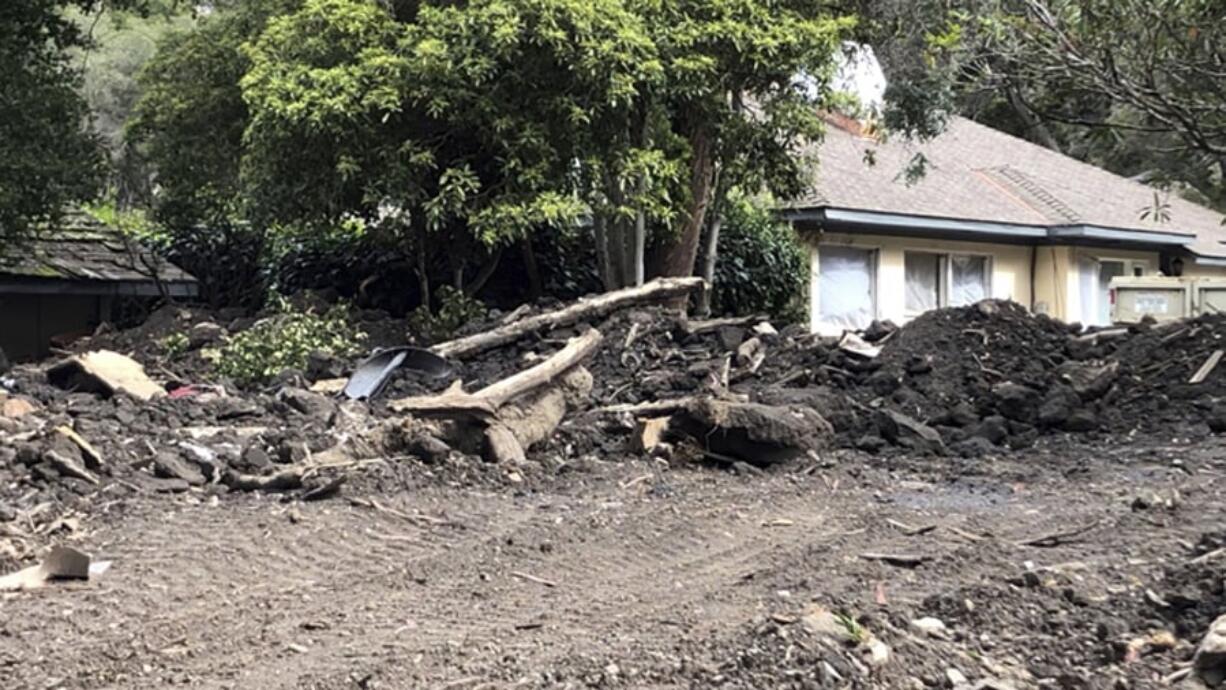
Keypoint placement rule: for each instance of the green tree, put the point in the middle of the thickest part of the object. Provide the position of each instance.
(48, 157)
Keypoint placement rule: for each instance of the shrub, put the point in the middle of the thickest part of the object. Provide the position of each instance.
(761, 266)
(456, 309)
(285, 340)
(174, 344)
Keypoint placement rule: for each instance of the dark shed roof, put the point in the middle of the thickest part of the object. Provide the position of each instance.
(81, 255)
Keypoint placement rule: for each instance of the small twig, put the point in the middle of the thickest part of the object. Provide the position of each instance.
(533, 578)
(635, 481)
(964, 534)
(1057, 538)
(900, 559)
(631, 336)
(909, 530)
(1208, 556)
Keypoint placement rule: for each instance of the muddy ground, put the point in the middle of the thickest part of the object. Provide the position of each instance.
(625, 572)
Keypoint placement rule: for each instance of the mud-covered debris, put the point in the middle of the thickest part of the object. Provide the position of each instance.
(1210, 658)
(61, 563)
(755, 433)
(904, 430)
(204, 334)
(14, 407)
(106, 373)
(67, 466)
(169, 465)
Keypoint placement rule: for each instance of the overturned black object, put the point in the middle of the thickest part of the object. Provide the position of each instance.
(372, 373)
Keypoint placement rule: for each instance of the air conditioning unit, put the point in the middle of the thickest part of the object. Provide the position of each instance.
(1209, 296)
(1158, 297)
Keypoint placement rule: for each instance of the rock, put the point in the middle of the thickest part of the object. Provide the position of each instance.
(14, 408)
(1015, 401)
(994, 429)
(324, 365)
(902, 430)
(1217, 419)
(1088, 381)
(1209, 662)
(932, 627)
(171, 485)
(870, 443)
(878, 330)
(204, 458)
(917, 365)
(955, 678)
(106, 373)
(428, 448)
(68, 467)
(756, 433)
(310, 404)
(1081, 421)
(1058, 406)
(93, 459)
(823, 623)
(731, 337)
(204, 334)
(878, 653)
(255, 459)
(167, 465)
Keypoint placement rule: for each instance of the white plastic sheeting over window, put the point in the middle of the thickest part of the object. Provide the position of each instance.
(968, 280)
(1095, 276)
(923, 278)
(845, 286)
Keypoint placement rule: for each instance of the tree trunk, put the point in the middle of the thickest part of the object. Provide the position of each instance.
(708, 264)
(423, 277)
(535, 289)
(640, 239)
(678, 254)
(600, 228)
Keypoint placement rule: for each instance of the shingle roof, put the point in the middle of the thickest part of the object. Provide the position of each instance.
(977, 173)
(82, 249)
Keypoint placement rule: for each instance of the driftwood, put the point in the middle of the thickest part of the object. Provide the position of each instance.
(485, 402)
(1207, 368)
(700, 327)
(511, 415)
(659, 290)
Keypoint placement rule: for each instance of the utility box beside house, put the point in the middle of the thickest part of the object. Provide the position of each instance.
(1160, 298)
(1209, 296)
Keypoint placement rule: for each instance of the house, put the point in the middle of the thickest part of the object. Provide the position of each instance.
(993, 216)
(71, 278)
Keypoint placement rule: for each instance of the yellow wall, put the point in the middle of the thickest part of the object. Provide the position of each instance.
(1056, 287)
(1010, 268)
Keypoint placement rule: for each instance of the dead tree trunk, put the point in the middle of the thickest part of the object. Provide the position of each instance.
(680, 252)
(660, 290)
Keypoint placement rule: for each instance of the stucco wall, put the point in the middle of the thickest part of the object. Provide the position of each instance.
(1056, 283)
(1010, 273)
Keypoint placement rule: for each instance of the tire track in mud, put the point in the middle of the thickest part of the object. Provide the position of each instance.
(224, 592)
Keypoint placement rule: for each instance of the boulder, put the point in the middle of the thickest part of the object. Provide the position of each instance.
(755, 433)
(167, 465)
(204, 334)
(1059, 404)
(1210, 659)
(1089, 381)
(994, 429)
(1015, 401)
(902, 430)
(310, 404)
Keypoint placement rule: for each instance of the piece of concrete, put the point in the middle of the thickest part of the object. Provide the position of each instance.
(904, 430)
(106, 373)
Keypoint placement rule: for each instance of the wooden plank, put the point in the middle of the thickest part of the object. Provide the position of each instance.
(1207, 368)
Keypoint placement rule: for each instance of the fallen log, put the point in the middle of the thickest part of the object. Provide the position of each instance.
(511, 415)
(659, 290)
(700, 327)
(485, 402)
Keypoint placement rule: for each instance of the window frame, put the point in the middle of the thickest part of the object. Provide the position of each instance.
(945, 274)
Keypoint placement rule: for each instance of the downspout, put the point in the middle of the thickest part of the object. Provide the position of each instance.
(1034, 272)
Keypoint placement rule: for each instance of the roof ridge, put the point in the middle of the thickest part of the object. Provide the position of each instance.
(1038, 192)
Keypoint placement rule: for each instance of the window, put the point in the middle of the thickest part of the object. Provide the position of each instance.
(945, 280)
(847, 278)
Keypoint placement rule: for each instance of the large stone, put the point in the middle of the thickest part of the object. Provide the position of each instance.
(1087, 380)
(1210, 659)
(1015, 401)
(755, 433)
(167, 465)
(1058, 406)
(310, 404)
(204, 334)
(900, 429)
(994, 429)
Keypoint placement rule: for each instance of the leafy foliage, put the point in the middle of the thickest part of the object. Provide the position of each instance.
(455, 311)
(47, 156)
(762, 267)
(284, 341)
